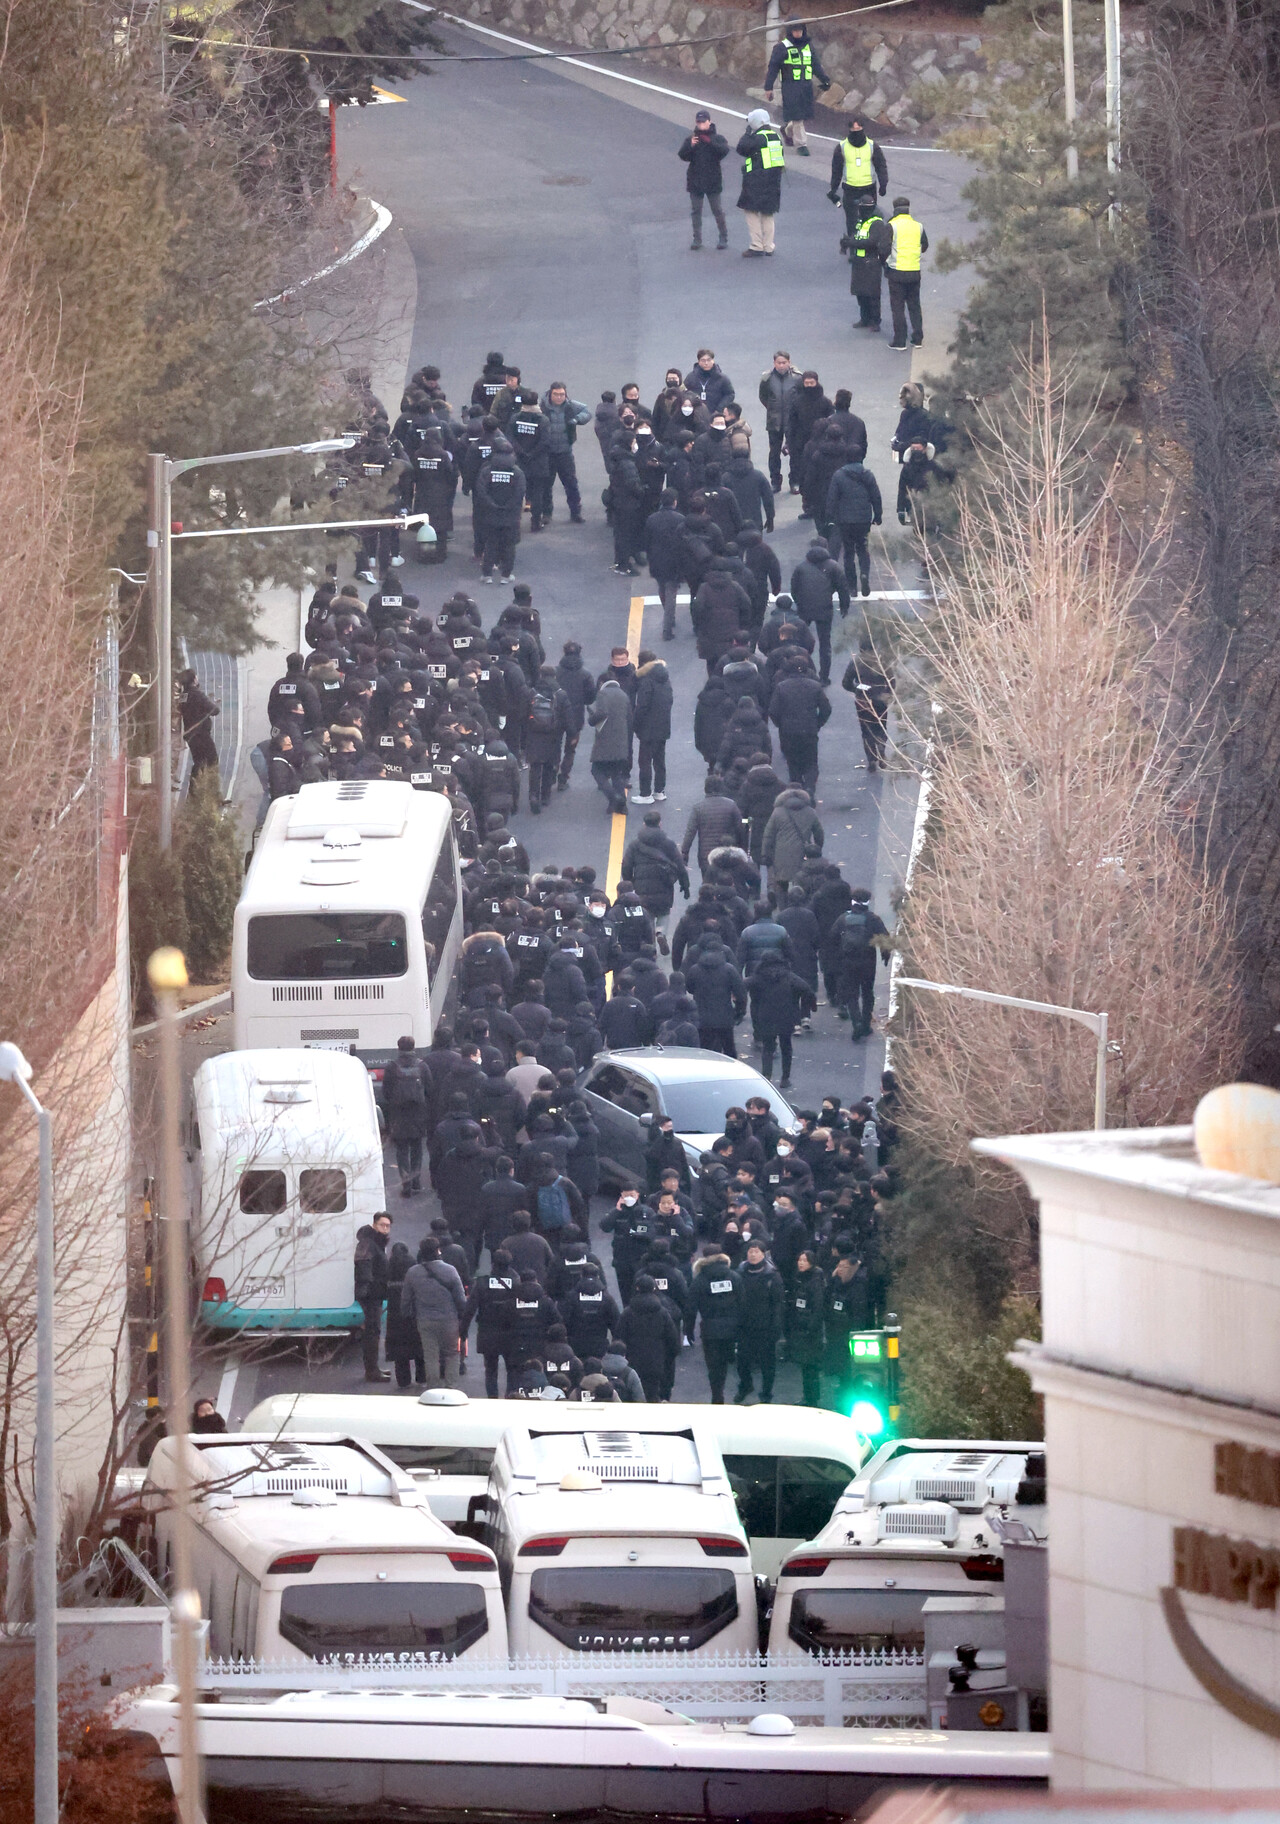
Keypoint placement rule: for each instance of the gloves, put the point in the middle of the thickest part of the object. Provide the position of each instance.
(833, 196)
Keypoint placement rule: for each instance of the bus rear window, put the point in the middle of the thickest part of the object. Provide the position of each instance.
(326, 946)
(322, 1190)
(327, 1620)
(631, 1609)
(859, 1621)
(447, 1459)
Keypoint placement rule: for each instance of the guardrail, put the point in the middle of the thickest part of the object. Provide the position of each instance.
(868, 1691)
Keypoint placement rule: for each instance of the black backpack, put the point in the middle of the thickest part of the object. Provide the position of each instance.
(855, 932)
(542, 713)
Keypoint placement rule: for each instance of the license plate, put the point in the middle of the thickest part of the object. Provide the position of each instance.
(263, 1292)
(326, 1044)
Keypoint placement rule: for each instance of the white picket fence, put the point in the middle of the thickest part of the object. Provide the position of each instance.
(868, 1691)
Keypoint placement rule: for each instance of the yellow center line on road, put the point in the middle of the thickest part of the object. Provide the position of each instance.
(618, 834)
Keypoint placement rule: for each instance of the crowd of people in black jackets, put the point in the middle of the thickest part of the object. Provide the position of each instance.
(773, 1243)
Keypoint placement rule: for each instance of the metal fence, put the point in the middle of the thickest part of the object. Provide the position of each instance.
(865, 1691)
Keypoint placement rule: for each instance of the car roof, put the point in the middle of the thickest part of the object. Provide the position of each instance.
(677, 1063)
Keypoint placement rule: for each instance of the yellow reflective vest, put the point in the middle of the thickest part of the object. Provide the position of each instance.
(769, 157)
(907, 235)
(798, 62)
(859, 172)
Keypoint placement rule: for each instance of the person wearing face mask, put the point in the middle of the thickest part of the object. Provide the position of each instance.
(795, 62)
(633, 1226)
(808, 405)
(858, 168)
(626, 492)
(704, 153)
(668, 412)
(651, 467)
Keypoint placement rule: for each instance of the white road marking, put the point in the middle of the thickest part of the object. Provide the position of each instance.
(381, 222)
(694, 101)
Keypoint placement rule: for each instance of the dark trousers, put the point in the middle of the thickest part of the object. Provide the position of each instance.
(611, 777)
(719, 1352)
(904, 302)
(717, 209)
(717, 1038)
(499, 550)
(653, 767)
(874, 726)
(757, 1352)
(202, 750)
(667, 592)
(822, 628)
(869, 306)
(409, 1368)
(811, 1381)
(801, 755)
(561, 465)
(654, 1382)
(628, 530)
(859, 991)
(767, 1042)
(542, 779)
(409, 1158)
(857, 559)
(491, 1359)
(371, 1332)
(567, 757)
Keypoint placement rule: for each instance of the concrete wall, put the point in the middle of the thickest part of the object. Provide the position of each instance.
(872, 67)
(1161, 1350)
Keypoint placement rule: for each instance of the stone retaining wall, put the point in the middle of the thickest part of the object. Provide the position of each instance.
(873, 68)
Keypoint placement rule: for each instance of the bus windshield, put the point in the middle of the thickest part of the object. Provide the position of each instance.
(610, 1608)
(326, 946)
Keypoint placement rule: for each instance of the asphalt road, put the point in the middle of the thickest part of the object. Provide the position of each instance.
(541, 211)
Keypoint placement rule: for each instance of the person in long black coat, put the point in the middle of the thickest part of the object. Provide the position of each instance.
(664, 545)
(779, 1000)
(652, 1337)
(760, 198)
(803, 1325)
(549, 721)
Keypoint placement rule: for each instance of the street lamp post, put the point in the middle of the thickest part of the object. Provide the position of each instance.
(1069, 84)
(1096, 1023)
(15, 1069)
(162, 471)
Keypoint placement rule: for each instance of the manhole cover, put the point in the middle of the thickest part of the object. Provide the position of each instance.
(563, 182)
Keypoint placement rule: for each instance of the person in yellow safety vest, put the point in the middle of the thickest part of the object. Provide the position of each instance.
(858, 164)
(868, 247)
(760, 198)
(910, 242)
(797, 65)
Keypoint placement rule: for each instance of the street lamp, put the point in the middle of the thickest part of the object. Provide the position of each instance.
(161, 474)
(15, 1069)
(1069, 84)
(1096, 1023)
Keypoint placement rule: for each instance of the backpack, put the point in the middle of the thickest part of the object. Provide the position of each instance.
(855, 932)
(553, 1206)
(618, 1386)
(542, 713)
(409, 1088)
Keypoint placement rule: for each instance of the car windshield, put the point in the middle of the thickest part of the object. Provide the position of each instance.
(697, 1106)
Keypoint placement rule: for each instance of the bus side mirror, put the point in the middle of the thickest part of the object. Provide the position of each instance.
(646, 1120)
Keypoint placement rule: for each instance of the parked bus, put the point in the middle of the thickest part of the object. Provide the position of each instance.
(787, 1465)
(924, 1518)
(287, 1164)
(619, 1541)
(320, 1548)
(350, 921)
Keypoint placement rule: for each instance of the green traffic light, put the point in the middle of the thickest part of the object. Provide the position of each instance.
(868, 1418)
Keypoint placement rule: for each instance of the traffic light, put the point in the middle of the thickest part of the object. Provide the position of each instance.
(873, 1379)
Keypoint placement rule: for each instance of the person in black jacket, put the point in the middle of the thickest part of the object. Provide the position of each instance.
(854, 505)
(779, 1001)
(664, 545)
(406, 1101)
(814, 582)
(651, 725)
(404, 1341)
(580, 690)
(704, 152)
(797, 920)
(806, 406)
(625, 1022)
(371, 1289)
(652, 1337)
(871, 690)
(804, 1325)
(500, 1197)
(761, 1324)
(748, 486)
(853, 939)
(858, 168)
(795, 63)
(664, 1152)
(717, 987)
(654, 866)
(589, 1314)
(798, 709)
(716, 1297)
(548, 722)
(499, 498)
(197, 712)
(760, 198)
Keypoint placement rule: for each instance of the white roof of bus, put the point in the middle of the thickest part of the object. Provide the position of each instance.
(749, 1430)
(300, 1105)
(256, 1525)
(355, 845)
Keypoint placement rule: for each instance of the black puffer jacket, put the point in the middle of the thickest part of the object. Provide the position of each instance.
(716, 823)
(711, 718)
(717, 986)
(779, 997)
(654, 866)
(721, 611)
(579, 688)
(814, 581)
(651, 720)
(746, 734)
